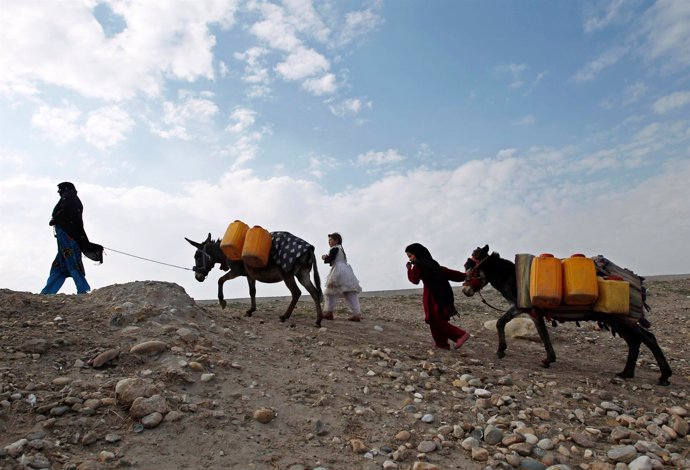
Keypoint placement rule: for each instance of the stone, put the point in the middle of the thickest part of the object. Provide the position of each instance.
(624, 454)
(104, 357)
(264, 415)
(358, 446)
(143, 406)
(128, 390)
(426, 446)
(480, 454)
(149, 348)
(403, 436)
(152, 420)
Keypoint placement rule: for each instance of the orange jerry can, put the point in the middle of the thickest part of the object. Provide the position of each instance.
(579, 280)
(233, 240)
(257, 247)
(546, 281)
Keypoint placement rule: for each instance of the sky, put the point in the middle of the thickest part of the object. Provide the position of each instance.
(533, 127)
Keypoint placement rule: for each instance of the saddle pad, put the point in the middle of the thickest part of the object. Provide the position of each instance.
(287, 248)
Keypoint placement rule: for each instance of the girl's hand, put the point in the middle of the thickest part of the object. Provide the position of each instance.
(409, 265)
(323, 256)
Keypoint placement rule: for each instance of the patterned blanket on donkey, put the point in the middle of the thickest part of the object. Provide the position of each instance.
(286, 249)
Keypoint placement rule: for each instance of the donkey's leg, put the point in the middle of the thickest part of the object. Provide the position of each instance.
(252, 297)
(501, 329)
(296, 293)
(303, 278)
(633, 339)
(221, 281)
(546, 339)
(650, 341)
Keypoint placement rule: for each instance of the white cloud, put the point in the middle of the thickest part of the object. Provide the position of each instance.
(671, 102)
(67, 47)
(515, 71)
(372, 158)
(324, 85)
(358, 24)
(320, 166)
(350, 107)
(57, 124)
(107, 127)
(666, 34)
(595, 67)
(632, 93)
(241, 120)
(302, 63)
(610, 15)
(187, 118)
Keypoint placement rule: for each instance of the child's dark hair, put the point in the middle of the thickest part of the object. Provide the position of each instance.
(336, 236)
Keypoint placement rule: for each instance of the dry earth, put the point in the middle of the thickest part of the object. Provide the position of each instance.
(366, 395)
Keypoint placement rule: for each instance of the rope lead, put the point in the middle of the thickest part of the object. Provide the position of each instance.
(146, 259)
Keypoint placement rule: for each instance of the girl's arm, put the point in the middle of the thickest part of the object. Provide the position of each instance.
(330, 257)
(453, 275)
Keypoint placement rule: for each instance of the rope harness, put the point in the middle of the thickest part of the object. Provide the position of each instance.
(476, 282)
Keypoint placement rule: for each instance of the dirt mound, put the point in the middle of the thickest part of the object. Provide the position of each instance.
(138, 375)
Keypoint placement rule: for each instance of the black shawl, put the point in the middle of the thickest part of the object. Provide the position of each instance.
(433, 276)
(67, 214)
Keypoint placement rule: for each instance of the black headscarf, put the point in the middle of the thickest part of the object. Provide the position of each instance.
(433, 276)
(67, 214)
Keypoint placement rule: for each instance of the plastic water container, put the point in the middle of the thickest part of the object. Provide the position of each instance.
(546, 281)
(233, 240)
(257, 247)
(579, 280)
(614, 295)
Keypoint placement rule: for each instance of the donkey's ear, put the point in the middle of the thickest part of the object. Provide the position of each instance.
(208, 239)
(485, 249)
(194, 244)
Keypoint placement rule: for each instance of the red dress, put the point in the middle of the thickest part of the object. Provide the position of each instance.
(435, 315)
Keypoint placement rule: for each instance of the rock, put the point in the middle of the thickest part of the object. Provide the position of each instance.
(149, 348)
(37, 346)
(143, 406)
(152, 420)
(207, 377)
(426, 446)
(624, 454)
(582, 439)
(104, 357)
(403, 436)
(264, 415)
(642, 462)
(480, 454)
(424, 466)
(173, 416)
(62, 381)
(128, 390)
(358, 446)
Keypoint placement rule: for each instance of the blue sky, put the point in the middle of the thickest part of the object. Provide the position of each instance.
(534, 127)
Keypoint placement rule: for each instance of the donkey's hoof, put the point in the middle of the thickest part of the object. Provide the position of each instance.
(664, 382)
(627, 375)
(545, 363)
(501, 354)
(223, 303)
(317, 324)
(282, 318)
(248, 313)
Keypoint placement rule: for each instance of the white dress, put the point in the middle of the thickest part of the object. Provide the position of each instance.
(341, 279)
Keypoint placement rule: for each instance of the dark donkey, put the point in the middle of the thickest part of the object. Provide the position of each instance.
(482, 269)
(208, 254)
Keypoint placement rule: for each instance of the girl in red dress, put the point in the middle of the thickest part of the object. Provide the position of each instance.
(438, 297)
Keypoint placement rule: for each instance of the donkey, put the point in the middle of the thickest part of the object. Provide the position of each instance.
(208, 254)
(482, 269)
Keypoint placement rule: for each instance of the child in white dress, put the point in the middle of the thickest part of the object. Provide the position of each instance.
(341, 280)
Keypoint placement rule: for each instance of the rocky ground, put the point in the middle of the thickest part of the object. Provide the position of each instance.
(140, 376)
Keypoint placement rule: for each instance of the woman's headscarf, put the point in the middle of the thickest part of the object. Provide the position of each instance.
(433, 276)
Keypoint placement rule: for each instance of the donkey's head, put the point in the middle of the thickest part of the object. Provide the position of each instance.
(475, 279)
(203, 261)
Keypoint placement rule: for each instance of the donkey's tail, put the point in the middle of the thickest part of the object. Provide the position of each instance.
(317, 278)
